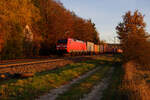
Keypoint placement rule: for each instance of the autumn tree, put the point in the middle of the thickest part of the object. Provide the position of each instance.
(133, 37)
(85, 30)
(55, 23)
(32, 26)
(14, 16)
(60, 23)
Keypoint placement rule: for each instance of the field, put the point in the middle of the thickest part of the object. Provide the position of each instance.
(136, 82)
(129, 82)
(82, 79)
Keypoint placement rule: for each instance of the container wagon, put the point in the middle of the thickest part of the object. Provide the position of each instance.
(90, 48)
(101, 48)
(105, 48)
(96, 49)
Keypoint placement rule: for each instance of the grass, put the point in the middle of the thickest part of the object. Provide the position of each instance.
(112, 92)
(78, 90)
(28, 89)
(129, 82)
(135, 85)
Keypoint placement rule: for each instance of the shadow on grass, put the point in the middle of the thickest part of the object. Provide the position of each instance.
(91, 63)
(94, 61)
(112, 92)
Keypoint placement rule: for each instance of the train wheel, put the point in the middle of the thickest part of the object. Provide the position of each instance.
(72, 54)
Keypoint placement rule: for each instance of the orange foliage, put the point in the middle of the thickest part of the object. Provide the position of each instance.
(14, 16)
(49, 21)
(134, 38)
(59, 23)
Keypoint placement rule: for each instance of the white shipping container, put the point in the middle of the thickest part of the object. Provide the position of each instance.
(90, 47)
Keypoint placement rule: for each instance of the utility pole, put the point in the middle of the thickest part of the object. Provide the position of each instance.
(114, 40)
(115, 46)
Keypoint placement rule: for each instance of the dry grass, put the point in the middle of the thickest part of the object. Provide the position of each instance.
(136, 83)
(81, 89)
(29, 88)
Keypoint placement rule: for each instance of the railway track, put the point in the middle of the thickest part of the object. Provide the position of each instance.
(31, 67)
(23, 63)
(27, 69)
(8, 71)
(3, 66)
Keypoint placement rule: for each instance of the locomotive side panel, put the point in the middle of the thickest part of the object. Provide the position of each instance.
(76, 46)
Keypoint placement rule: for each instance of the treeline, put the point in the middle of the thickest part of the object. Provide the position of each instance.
(32, 27)
(134, 39)
(136, 57)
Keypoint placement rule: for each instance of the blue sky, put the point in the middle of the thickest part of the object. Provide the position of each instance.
(106, 14)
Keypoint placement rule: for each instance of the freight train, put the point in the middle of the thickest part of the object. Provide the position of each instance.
(78, 47)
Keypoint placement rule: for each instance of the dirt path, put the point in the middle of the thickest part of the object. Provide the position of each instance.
(52, 95)
(97, 91)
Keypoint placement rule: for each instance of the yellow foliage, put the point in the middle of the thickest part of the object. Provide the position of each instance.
(22, 11)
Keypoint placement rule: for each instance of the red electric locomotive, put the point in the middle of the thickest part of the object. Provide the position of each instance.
(71, 46)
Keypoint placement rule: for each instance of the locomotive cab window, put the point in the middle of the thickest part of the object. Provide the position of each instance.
(62, 41)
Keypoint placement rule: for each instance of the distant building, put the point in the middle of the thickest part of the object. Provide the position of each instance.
(28, 35)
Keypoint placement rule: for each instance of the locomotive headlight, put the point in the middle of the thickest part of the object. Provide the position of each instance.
(58, 46)
(65, 46)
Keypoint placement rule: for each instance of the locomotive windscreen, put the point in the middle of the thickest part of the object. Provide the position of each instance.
(62, 41)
